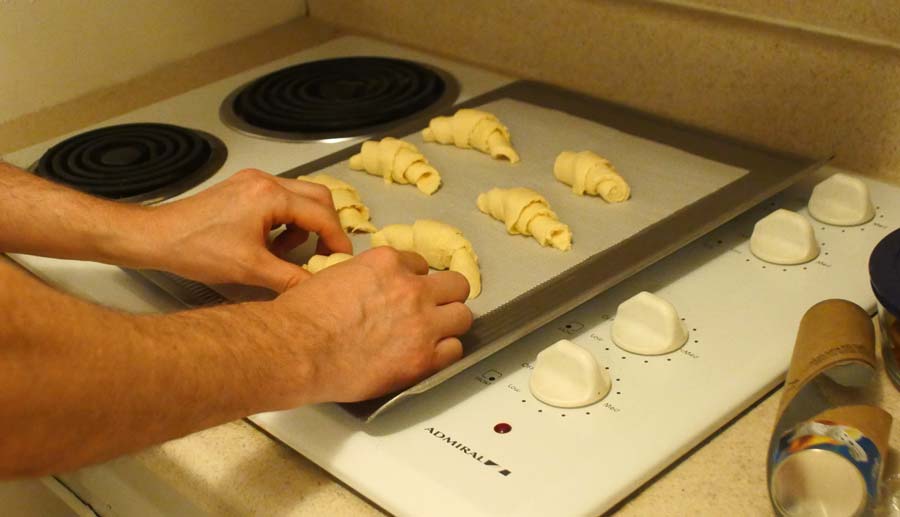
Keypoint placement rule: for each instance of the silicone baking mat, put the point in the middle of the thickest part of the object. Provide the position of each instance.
(663, 180)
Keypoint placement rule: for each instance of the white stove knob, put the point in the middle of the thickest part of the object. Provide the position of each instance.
(784, 237)
(648, 325)
(567, 375)
(841, 200)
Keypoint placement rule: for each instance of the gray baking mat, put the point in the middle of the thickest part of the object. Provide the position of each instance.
(663, 180)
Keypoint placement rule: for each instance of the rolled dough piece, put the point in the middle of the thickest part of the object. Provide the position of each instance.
(319, 262)
(526, 212)
(590, 173)
(397, 161)
(354, 215)
(442, 245)
(469, 128)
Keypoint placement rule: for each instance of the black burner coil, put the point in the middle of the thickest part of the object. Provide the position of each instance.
(338, 95)
(127, 160)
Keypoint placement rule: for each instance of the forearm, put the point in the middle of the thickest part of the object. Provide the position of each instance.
(81, 384)
(42, 218)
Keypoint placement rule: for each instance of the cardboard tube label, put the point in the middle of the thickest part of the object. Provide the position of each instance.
(848, 442)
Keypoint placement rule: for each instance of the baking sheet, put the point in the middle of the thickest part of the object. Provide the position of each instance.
(663, 180)
(686, 182)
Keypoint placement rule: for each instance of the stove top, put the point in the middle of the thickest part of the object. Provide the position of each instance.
(134, 162)
(337, 98)
(440, 453)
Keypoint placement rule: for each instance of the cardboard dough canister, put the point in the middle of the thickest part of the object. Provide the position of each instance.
(827, 451)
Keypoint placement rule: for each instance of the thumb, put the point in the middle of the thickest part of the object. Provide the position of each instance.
(279, 275)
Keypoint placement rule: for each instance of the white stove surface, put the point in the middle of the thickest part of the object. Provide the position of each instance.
(199, 109)
(438, 454)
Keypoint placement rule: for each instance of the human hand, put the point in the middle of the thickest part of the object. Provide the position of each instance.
(221, 234)
(365, 327)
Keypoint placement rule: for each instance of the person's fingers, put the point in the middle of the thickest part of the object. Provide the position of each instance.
(324, 221)
(322, 248)
(414, 262)
(446, 352)
(318, 193)
(278, 275)
(289, 239)
(452, 319)
(448, 286)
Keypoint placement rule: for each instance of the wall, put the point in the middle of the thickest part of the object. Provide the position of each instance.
(783, 84)
(875, 21)
(55, 50)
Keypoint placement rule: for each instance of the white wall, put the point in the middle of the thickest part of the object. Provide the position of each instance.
(870, 20)
(55, 50)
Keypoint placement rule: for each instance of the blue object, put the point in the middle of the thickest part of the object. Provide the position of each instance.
(884, 272)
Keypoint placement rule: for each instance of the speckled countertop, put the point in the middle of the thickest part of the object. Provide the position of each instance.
(235, 469)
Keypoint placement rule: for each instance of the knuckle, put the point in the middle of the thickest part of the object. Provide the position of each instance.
(420, 363)
(248, 174)
(465, 314)
(385, 256)
(462, 282)
(413, 291)
(451, 351)
(458, 350)
(406, 293)
(267, 187)
(321, 193)
(258, 183)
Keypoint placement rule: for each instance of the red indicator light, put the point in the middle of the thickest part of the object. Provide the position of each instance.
(502, 428)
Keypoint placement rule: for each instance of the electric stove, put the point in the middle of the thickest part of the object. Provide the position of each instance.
(481, 443)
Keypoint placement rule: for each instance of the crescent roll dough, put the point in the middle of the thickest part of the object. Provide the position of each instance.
(469, 128)
(319, 262)
(442, 245)
(354, 215)
(589, 173)
(396, 161)
(526, 212)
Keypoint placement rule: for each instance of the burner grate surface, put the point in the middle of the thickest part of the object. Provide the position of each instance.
(335, 97)
(133, 162)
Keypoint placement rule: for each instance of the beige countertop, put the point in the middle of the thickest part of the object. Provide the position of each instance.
(235, 469)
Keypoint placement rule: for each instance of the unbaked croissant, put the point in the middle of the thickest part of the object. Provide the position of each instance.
(317, 263)
(589, 173)
(469, 128)
(397, 161)
(526, 212)
(442, 245)
(354, 215)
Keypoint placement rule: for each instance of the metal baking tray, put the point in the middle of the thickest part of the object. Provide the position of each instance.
(685, 182)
